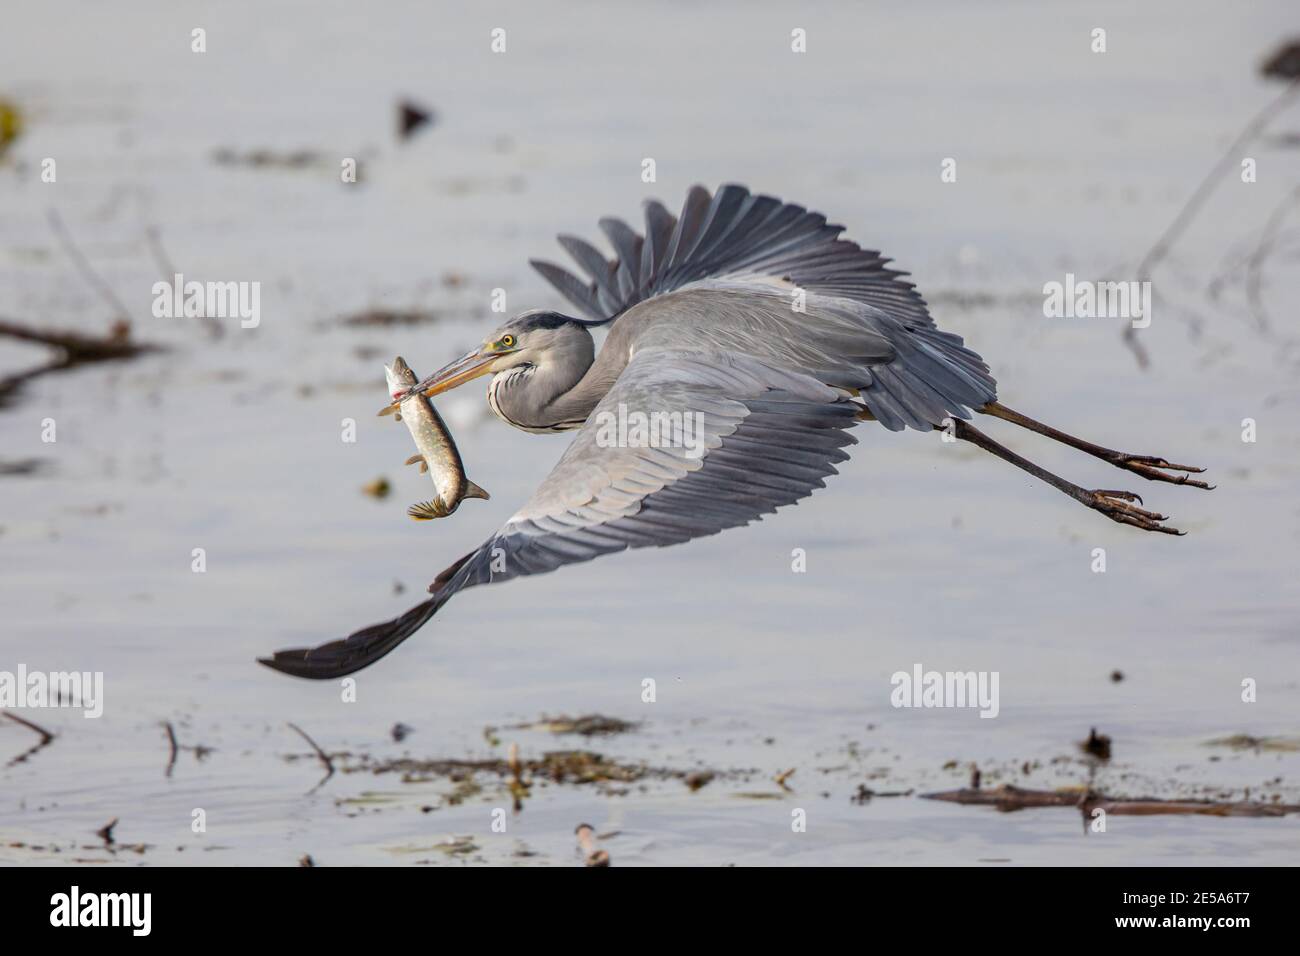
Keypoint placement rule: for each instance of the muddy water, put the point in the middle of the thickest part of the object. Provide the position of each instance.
(920, 552)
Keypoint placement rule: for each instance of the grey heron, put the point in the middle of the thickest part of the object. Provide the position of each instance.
(775, 334)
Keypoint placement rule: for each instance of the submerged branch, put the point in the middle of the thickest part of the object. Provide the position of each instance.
(1009, 798)
(75, 348)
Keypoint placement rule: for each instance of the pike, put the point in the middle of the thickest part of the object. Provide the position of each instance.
(437, 451)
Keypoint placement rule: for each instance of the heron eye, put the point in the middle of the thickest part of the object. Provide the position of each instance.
(507, 342)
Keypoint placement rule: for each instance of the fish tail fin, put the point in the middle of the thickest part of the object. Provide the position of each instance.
(474, 491)
(427, 510)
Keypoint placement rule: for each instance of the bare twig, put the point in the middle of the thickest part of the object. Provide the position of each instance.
(518, 788)
(175, 748)
(324, 757)
(12, 383)
(154, 239)
(1254, 265)
(46, 737)
(1157, 253)
(105, 832)
(83, 265)
(74, 348)
(78, 347)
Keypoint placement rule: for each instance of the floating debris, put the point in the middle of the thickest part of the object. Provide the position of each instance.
(1247, 742)
(587, 841)
(24, 467)
(457, 846)
(268, 159)
(698, 778)
(865, 794)
(388, 317)
(379, 488)
(1009, 798)
(566, 767)
(1097, 745)
(588, 725)
(11, 124)
(411, 117)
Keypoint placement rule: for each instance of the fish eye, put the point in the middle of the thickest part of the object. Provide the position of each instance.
(507, 341)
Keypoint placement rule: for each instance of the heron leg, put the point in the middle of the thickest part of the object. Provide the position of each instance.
(1115, 505)
(1150, 467)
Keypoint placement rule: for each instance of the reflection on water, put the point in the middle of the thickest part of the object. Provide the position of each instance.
(920, 552)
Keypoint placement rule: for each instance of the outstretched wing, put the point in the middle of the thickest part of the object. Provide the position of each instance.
(867, 326)
(686, 444)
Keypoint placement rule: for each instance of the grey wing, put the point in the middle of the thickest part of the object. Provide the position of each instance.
(858, 324)
(736, 440)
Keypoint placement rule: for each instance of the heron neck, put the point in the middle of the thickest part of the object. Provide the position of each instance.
(543, 397)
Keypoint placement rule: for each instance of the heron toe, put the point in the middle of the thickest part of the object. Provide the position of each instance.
(1154, 468)
(1116, 506)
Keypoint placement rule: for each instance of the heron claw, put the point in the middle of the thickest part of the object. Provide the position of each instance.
(1154, 468)
(1115, 506)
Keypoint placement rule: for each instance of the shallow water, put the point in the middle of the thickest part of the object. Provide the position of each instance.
(919, 552)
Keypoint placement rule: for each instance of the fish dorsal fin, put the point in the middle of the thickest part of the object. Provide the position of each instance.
(474, 491)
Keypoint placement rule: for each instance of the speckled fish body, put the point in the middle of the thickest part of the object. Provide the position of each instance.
(437, 450)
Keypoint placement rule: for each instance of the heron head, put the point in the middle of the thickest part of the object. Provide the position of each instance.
(534, 338)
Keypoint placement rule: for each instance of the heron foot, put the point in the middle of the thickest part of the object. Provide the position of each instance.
(1116, 506)
(1157, 469)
